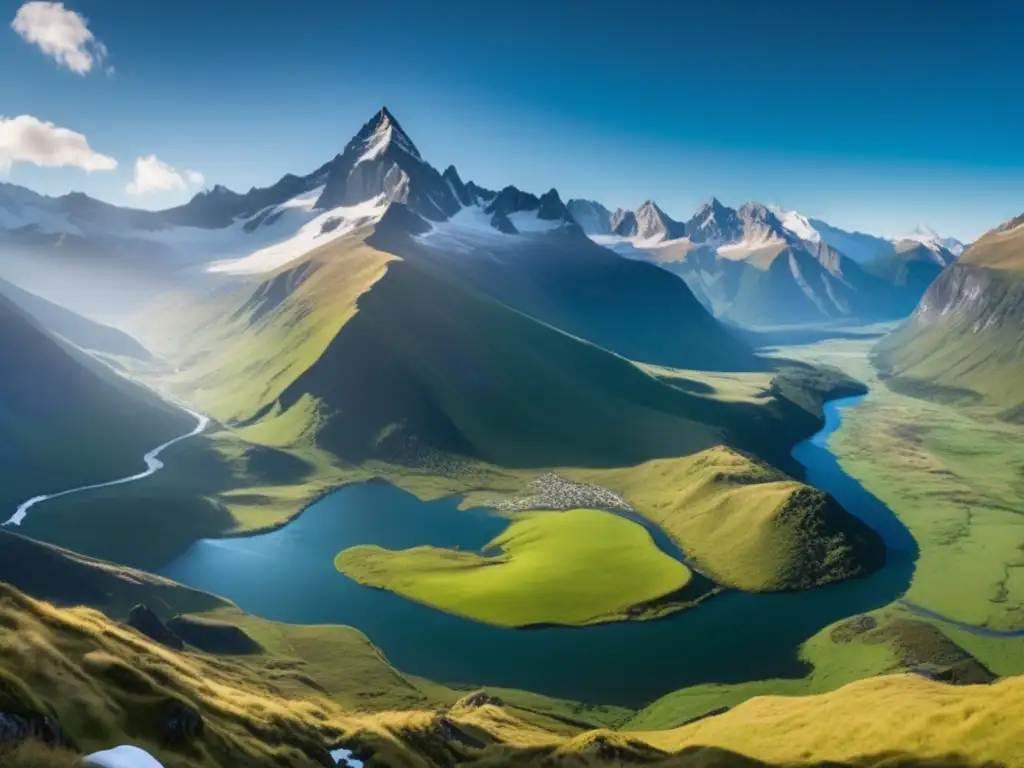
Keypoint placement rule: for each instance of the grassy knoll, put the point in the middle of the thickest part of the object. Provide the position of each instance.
(954, 479)
(106, 684)
(745, 524)
(573, 567)
(882, 642)
(903, 720)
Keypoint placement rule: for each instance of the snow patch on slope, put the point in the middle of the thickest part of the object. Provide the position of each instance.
(322, 229)
(798, 225)
(745, 248)
(471, 228)
(528, 222)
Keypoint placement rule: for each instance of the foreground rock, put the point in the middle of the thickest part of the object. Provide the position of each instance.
(213, 636)
(148, 623)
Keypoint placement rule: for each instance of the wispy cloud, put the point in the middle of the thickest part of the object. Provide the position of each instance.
(27, 139)
(62, 34)
(154, 175)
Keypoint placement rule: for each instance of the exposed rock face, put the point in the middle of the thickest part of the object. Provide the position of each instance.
(652, 223)
(918, 646)
(451, 175)
(714, 222)
(213, 636)
(982, 298)
(623, 223)
(182, 725)
(382, 160)
(552, 208)
(593, 217)
(479, 699)
(148, 623)
(15, 728)
(511, 200)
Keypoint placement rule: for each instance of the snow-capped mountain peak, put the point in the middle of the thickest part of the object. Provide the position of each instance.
(381, 132)
(797, 224)
(927, 236)
(714, 223)
(652, 223)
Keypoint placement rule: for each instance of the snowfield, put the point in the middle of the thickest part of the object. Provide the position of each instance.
(317, 231)
(470, 228)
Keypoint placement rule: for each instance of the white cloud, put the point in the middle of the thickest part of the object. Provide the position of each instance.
(27, 139)
(154, 175)
(60, 33)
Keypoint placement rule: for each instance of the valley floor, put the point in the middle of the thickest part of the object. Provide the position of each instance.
(955, 478)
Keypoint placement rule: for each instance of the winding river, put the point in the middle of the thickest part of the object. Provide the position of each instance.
(153, 465)
(288, 575)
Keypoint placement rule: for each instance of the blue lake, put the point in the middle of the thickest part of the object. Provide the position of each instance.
(289, 576)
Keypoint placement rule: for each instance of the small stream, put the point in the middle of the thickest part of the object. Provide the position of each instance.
(288, 575)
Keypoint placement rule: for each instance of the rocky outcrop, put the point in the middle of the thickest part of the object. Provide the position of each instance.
(593, 217)
(182, 725)
(213, 636)
(479, 699)
(552, 208)
(918, 647)
(16, 728)
(148, 623)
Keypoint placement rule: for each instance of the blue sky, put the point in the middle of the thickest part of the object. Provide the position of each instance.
(872, 115)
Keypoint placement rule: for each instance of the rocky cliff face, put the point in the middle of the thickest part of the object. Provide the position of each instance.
(973, 297)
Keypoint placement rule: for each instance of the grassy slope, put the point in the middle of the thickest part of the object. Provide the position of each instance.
(573, 567)
(106, 684)
(355, 352)
(955, 482)
(964, 343)
(335, 661)
(66, 420)
(746, 525)
(351, 364)
(565, 280)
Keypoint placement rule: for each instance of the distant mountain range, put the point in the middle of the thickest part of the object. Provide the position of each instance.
(754, 264)
(764, 265)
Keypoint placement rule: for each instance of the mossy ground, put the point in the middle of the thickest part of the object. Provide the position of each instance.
(574, 567)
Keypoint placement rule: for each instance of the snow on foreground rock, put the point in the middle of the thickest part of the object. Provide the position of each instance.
(133, 757)
(123, 757)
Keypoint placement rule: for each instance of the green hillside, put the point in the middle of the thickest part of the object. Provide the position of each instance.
(629, 307)
(104, 683)
(367, 356)
(65, 419)
(963, 344)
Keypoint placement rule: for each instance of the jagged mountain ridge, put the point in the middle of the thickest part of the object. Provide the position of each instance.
(757, 264)
(752, 264)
